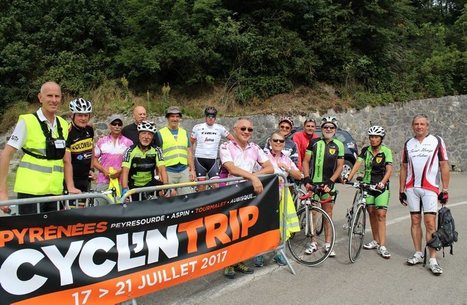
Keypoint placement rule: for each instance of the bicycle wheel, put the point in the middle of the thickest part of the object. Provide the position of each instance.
(357, 233)
(299, 241)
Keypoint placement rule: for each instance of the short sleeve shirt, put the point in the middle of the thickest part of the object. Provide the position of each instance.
(207, 139)
(142, 164)
(324, 157)
(422, 159)
(110, 154)
(246, 159)
(375, 165)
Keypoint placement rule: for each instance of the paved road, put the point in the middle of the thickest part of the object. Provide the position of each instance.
(371, 280)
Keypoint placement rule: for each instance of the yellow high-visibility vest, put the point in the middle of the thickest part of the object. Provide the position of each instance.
(174, 151)
(39, 176)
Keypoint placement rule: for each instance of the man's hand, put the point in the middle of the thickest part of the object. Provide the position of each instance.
(5, 209)
(443, 197)
(74, 190)
(192, 175)
(403, 198)
(257, 185)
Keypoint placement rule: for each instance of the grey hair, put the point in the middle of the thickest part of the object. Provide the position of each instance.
(421, 116)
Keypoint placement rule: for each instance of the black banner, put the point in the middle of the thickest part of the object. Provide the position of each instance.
(109, 254)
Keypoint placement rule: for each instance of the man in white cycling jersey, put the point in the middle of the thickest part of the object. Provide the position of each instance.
(423, 157)
(206, 138)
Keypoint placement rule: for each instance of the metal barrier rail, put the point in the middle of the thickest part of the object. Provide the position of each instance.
(59, 198)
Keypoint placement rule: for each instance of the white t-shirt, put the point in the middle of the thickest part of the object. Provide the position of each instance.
(207, 139)
(423, 162)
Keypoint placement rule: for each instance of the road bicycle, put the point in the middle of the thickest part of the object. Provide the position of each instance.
(356, 217)
(312, 219)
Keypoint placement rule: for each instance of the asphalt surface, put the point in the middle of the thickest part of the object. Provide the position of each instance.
(371, 280)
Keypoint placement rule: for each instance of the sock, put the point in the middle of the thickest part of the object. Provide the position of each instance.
(433, 260)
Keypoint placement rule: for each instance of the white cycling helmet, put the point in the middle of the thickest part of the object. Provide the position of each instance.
(146, 126)
(376, 131)
(329, 119)
(80, 105)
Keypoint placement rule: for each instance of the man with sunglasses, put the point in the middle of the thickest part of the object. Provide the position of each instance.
(327, 155)
(240, 158)
(303, 138)
(108, 153)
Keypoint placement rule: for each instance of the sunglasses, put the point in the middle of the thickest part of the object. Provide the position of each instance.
(329, 127)
(116, 124)
(286, 127)
(245, 128)
(278, 140)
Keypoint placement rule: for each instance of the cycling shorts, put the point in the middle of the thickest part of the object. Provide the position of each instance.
(209, 167)
(419, 199)
(380, 201)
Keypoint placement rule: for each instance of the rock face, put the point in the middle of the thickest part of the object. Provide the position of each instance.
(447, 115)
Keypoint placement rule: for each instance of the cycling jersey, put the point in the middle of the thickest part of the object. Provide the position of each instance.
(207, 139)
(375, 165)
(324, 157)
(110, 154)
(142, 164)
(423, 162)
(80, 144)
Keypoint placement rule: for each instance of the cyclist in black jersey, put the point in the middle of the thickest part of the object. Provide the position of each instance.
(142, 161)
(79, 147)
(377, 159)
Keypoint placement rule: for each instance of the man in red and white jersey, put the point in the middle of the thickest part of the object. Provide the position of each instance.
(423, 157)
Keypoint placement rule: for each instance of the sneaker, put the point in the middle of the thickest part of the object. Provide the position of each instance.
(241, 267)
(436, 269)
(415, 259)
(384, 252)
(280, 259)
(259, 261)
(229, 272)
(332, 254)
(312, 247)
(371, 245)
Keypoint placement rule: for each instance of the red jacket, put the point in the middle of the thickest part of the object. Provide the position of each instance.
(302, 140)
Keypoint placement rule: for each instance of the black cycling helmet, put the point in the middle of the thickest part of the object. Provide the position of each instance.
(210, 110)
(80, 105)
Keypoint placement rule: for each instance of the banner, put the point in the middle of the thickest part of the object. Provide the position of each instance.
(109, 254)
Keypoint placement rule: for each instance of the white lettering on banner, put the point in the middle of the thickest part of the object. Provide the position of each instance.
(129, 249)
(9, 272)
(155, 241)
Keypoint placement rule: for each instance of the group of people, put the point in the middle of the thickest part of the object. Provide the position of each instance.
(62, 156)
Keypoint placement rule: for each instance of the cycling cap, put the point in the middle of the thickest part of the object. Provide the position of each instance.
(173, 110)
(286, 119)
(210, 111)
(376, 131)
(329, 119)
(147, 126)
(80, 105)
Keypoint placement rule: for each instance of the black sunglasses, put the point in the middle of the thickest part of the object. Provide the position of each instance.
(245, 128)
(328, 127)
(278, 140)
(116, 124)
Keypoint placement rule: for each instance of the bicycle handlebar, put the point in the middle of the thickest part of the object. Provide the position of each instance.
(316, 188)
(365, 186)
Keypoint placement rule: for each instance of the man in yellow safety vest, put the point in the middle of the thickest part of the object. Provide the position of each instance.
(176, 150)
(42, 137)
